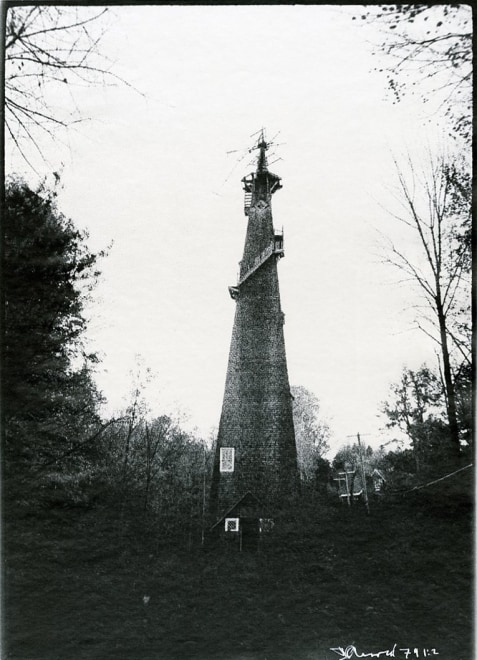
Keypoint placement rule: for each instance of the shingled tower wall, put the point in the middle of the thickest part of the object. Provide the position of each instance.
(256, 418)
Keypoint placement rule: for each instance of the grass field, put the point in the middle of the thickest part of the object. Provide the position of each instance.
(75, 581)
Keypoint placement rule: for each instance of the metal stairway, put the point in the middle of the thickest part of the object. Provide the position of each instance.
(275, 248)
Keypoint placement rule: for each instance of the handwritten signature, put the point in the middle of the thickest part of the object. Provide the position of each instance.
(351, 651)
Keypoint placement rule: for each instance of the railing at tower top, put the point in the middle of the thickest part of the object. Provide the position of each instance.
(247, 202)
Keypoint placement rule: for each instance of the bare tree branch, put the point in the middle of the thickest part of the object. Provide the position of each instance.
(48, 50)
(437, 209)
(427, 49)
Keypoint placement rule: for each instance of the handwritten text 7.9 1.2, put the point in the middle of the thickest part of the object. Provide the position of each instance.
(408, 653)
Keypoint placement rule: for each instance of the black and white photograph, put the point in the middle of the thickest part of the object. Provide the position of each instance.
(236, 352)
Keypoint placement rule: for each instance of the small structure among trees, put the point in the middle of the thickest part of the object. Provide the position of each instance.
(379, 481)
(245, 525)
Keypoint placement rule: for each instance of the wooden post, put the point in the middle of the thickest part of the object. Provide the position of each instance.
(365, 488)
(203, 494)
(347, 488)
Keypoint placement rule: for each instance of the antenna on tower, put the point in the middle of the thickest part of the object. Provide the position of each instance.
(244, 153)
(260, 141)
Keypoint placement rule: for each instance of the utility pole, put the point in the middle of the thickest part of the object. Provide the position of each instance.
(365, 488)
(203, 493)
(347, 487)
(363, 475)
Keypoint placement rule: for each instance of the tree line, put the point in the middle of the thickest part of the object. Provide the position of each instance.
(59, 449)
(58, 445)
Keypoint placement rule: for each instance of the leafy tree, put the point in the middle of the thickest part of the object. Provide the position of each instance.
(436, 210)
(49, 400)
(415, 408)
(322, 474)
(153, 469)
(399, 467)
(429, 49)
(349, 455)
(311, 432)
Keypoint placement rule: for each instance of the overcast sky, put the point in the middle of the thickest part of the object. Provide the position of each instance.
(152, 174)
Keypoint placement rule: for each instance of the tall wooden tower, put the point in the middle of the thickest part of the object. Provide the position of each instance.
(255, 468)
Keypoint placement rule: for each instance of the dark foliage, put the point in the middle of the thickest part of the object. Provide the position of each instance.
(49, 399)
(401, 462)
(464, 380)
(415, 407)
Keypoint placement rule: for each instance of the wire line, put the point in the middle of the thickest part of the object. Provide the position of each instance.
(429, 483)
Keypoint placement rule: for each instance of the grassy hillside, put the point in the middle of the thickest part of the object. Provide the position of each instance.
(75, 581)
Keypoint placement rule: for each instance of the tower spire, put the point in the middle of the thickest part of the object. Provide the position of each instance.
(262, 165)
(262, 183)
(256, 451)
